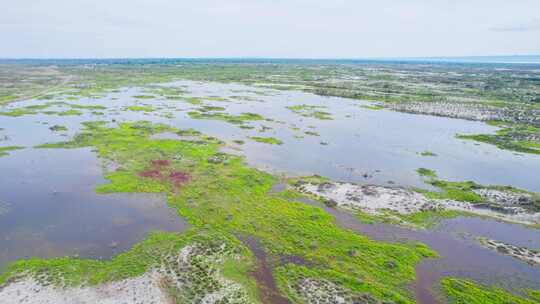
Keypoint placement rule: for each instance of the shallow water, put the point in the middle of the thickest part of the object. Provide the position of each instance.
(455, 240)
(384, 145)
(54, 210)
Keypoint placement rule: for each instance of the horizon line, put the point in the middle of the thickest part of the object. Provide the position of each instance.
(274, 58)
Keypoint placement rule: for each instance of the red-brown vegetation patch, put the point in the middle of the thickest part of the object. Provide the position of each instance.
(150, 173)
(160, 169)
(161, 163)
(178, 177)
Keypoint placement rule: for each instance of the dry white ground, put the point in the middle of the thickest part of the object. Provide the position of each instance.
(374, 199)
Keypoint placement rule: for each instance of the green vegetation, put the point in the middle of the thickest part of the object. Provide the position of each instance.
(193, 100)
(211, 108)
(427, 153)
(58, 128)
(228, 197)
(467, 292)
(40, 108)
(463, 191)
(233, 119)
(267, 140)
(144, 96)
(4, 150)
(428, 219)
(458, 191)
(71, 112)
(372, 107)
(86, 107)
(222, 198)
(140, 108)
(310, 111)
(426, 172)
(158, 250)
(514, 137)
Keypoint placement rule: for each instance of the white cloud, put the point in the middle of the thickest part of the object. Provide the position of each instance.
(265, 28)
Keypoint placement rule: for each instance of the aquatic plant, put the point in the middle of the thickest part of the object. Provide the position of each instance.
(4, 150)
(310, 111)
(267, 140)
(233, 119)
(140, 108)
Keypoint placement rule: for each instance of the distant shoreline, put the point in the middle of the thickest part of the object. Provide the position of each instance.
(532, 60)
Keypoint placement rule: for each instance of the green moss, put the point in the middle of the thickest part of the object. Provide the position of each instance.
(4, 150)
(267, 140)
(231, 198)
(467, 292)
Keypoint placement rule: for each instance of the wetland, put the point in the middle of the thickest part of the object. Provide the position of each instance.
(269, 181)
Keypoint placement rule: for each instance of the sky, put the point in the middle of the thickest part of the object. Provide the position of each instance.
(268, 28)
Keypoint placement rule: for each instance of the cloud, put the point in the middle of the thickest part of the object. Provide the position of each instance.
(531, 25)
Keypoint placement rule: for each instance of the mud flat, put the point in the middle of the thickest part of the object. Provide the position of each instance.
(376, 199)
(531, 257)
(470, 111)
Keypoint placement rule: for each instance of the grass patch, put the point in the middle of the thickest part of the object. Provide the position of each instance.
(71, 112)
(424, 172)
(372, 107)
(140, 108)
(233, 119)
(515, 137)
(468, 292)
(267, 140)
(311, 111)
(463, 191)
(427, 153)
(144, 96)
(58, 128)
(4, 151)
